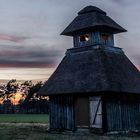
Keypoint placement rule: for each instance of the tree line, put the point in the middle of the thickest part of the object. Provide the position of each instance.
(29, 102)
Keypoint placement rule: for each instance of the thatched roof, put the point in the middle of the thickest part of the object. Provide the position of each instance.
(90, 9)
(92, 69)
(92, 18)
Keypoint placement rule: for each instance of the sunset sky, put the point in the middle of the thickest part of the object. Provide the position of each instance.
(30, 43)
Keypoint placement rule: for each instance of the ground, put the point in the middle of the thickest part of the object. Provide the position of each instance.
(35, 127)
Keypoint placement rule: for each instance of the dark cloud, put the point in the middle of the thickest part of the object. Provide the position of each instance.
(7, 64)
(42, 22)
(30, 58)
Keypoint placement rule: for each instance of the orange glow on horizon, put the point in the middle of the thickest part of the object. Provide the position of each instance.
(14, 100)
(17, 98)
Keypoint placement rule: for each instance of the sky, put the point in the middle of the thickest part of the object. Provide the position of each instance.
(30, 43)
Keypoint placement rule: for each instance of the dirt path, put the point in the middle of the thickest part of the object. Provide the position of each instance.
(25, 124)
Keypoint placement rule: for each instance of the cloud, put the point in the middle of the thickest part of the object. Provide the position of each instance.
(120, 2)
(14, 64)
(30, 57)
(43, 21)
(12, 38)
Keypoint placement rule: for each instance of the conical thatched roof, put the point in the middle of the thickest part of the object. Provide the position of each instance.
(93, 69)
(92, 18)
(90, 9)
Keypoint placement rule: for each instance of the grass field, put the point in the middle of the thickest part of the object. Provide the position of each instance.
(23, 118)
(35, 127)
(36, 132)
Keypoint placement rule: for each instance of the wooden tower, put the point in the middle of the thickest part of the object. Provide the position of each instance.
(95, 86)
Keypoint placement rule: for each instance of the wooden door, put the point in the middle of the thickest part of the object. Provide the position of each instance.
(95, 106)
(82, 107)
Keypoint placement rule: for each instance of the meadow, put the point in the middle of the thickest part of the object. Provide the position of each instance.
(35, 127)
(24, 118)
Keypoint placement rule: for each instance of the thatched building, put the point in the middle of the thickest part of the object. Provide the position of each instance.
(95, 87)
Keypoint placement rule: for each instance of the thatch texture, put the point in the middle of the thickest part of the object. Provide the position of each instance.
(92, 18)
(91, 70)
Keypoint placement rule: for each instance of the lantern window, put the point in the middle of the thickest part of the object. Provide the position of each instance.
(84, 38)
(105, 37)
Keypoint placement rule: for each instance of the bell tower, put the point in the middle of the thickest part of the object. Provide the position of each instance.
(93, 27)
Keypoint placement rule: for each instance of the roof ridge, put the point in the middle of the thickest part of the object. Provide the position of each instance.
(89, 9)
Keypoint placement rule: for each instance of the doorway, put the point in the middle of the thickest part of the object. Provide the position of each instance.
(95, 108)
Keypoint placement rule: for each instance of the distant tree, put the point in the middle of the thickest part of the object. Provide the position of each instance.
(2, 93)
(24, 88)
(30, 101)
(10, 93)
(34, 103)
(27, 83)
(11, 89)
(33, 90)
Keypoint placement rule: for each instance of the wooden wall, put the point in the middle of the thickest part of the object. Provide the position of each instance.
(123, 114)
(71, 113)
(118, 113)
(62, 115)
(95, 38)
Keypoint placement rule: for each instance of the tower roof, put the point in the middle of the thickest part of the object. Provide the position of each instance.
(90, 9)
(91, 71)
(92, 18)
